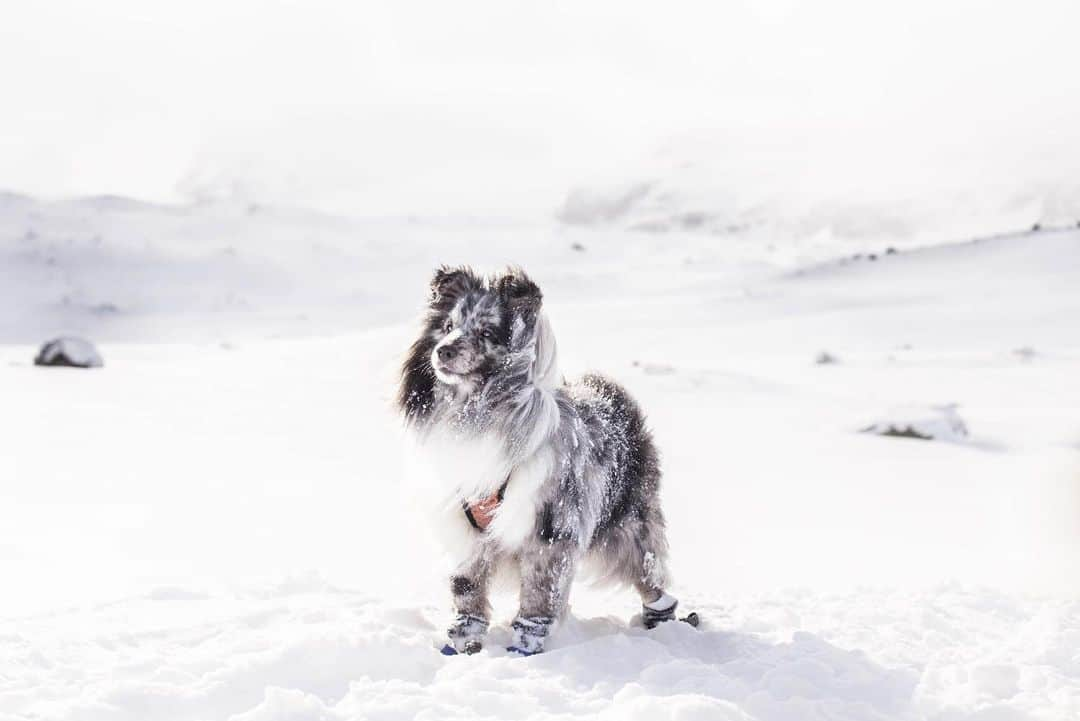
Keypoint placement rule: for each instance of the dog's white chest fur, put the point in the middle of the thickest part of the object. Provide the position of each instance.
(516, 516)
(461, 468)
(453, 469)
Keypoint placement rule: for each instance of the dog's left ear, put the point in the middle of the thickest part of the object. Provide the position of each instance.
(448, 284)
(521, 295)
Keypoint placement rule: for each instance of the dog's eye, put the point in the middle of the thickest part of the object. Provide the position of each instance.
(486, 334)
(448, 326)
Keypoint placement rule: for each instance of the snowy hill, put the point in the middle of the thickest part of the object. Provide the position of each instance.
(812, 190)
(218, 524)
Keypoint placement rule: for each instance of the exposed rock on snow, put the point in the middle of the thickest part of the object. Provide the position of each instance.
(934, 423)
(70, 352)
(654, 369)
(1025, 353)
(825, 358)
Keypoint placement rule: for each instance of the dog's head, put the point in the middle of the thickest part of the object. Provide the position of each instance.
(477, 323)
(479, 333)
(485, 339)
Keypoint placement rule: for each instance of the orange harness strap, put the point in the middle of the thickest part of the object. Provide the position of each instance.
(482, 512)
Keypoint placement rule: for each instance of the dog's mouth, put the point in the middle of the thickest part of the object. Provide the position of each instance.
(446, 375)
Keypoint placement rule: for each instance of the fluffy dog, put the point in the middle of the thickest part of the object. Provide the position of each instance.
(540, 473)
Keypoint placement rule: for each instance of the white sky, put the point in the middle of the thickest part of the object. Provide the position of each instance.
(369, 107)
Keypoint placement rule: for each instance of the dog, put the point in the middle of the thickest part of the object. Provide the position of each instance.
(536, 472)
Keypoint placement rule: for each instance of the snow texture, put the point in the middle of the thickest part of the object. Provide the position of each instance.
(216, 525)
(319, 653)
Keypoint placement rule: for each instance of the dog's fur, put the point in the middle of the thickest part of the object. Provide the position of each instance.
(482, 383)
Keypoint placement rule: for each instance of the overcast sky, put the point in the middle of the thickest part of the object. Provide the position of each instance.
(438, 106)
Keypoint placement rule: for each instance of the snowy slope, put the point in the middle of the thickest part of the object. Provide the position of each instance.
(125, 270)
(811, 189)
(218, 524)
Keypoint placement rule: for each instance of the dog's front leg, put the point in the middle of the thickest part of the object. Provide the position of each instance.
(547, 570)
(469, 588)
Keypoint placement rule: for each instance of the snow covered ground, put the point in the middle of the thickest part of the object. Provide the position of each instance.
(218, 524)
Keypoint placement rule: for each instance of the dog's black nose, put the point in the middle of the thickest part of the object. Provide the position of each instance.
(447, 353)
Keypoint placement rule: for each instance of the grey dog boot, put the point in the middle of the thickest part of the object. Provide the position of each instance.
(659, 611)
(529, 634)
(466, 635)
(663, 609)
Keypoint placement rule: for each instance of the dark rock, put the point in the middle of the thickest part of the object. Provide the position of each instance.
(692, 220)
(901, 432)
(1026, 353)
(826, 358)
(69, 352)
(933, 423)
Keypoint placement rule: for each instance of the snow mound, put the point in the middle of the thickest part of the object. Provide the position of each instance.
(933, 423)
(70, 352)
(342, 655)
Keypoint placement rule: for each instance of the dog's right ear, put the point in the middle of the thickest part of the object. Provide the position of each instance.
(449, 284)
(522, 295)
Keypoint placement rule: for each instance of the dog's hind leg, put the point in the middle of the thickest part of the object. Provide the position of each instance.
(645, 567)
(547, 571)
(469, 588)
(649, 578)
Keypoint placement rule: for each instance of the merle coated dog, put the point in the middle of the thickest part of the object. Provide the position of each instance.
(535, 472)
